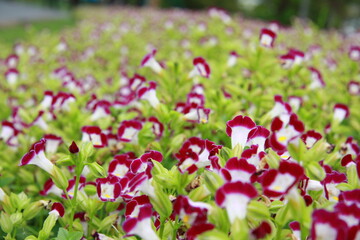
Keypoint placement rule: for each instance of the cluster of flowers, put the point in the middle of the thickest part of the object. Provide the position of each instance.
(189, 164)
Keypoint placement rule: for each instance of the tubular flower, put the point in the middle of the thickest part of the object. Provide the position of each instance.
(47, 100)
(201, 68)
(120, 166)
(354, 88)
(149, 61)
(238, 170)
(52, 143)
(283, 134)
(341, 111)
(295, 228)
(142, 224)
(235, 196)
(101, 110)
(278, 182)
(144, 164)
(267, 38)
(157, 127)
(12, 76)
(299, 56)
(198, 229)
(330, 182)
(57, 209)
(354, 53)
(71, 187)
(94, 134)
(196, 114)
(287, 60)
(350, 197)
(50, 187)
(191, 212)
(295, 102)
(36, 156)
(317, 80)
(196, 153)
(253, 156)
(351, 215)
(327, 225)
(109, 188)
(129, 130)
(136, 82)
(12, 61)
(238, 129)
(233, 56)
(8, 131)
(257, 136)
(262, 230)
(310, 138)
(281, 109)
(149, 94)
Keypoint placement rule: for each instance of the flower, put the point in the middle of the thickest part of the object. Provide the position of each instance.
(235, 196)
(141, 225)
(109, 188)
(354, 88)
(191, 212)
(299, 55)
(57, 210)
(262, 230)
(201, 68)
(149, 94)
(129, 130)
(330, 182)
(52, 143)
(94, 134)
(287, 60)
(196, 153)
(354, 53)
(310, 138)
(120, 166)
(144, 164)
(149, 61)
(278, 182)
(233, 56)
(198, 229)
(238, 129)
(267, 38)
(36, 156)
(295, 228)
(238, 170)
(12, 75)
(50, 187)
(317, 80)
(341, 111)
(157, 127)
(327, 225)
(101, 110)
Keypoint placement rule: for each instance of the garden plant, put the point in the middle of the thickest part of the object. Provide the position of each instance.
(149, 124)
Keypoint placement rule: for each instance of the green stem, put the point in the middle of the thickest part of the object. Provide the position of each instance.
(162, 227)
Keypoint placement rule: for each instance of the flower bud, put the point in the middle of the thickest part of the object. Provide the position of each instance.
(73, 148)
(32, 210)
(6, 223)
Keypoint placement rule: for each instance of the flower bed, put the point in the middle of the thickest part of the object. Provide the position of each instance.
(180, 125)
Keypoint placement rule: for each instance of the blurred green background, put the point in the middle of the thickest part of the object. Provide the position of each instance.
(324, 13)
(340, 14)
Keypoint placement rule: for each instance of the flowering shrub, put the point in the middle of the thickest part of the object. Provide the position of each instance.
(180, 125)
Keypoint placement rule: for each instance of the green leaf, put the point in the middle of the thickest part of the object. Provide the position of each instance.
(63, 234)
(258, 210)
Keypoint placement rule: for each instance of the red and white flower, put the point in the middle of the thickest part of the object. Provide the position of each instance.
(129, 130)
(330, 182)
(278, 182)
(50, 187)
(354, 88)
(120, 166)
(341, 111)
(142, 224)
(149, 94)
(57, 210)
(287, 60)
(238, 170)
(52, 143)
(295, 228)
(109, 188)
(144, 164)
(310, 138)
(238, 129)
(299, 56)
(267, 38)
(317, 80)
(327, 225)
(201, 68)
(94, 134)
(234, 197)
(233, 56)
(157, 127)
(12, 75)
(191, 212)
(354, 53)
(149, 61)
(101, 110)
(36, 156)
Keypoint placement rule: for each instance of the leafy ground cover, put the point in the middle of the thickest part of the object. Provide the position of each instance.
(180, 125)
